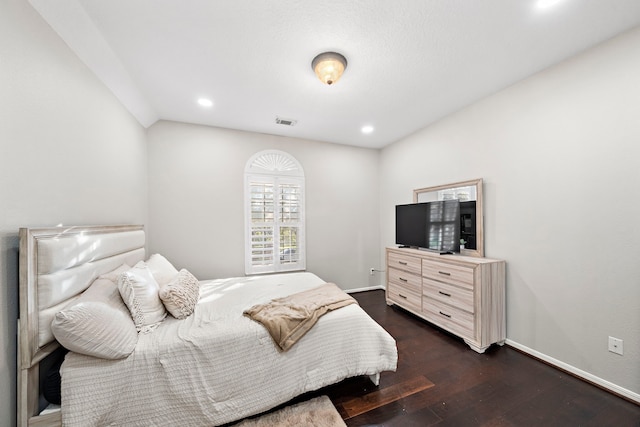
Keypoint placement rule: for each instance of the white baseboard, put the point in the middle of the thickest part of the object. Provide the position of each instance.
(614, 388)
(577, 372)
(367, 288)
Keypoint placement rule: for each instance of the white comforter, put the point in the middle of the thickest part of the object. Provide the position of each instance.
(218, 366)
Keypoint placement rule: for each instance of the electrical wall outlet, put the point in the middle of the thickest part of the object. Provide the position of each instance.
(371, 271)
(615, 345)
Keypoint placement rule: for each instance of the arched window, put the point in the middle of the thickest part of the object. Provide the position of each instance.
(274, 213)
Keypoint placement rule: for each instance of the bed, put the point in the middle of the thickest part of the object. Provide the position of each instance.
(213, 367)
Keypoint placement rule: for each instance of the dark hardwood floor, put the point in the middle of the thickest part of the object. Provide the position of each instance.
(440, 381)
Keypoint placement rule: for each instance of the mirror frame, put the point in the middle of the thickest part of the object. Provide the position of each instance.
(479, 251)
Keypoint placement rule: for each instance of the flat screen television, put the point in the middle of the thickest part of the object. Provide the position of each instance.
(431, 225)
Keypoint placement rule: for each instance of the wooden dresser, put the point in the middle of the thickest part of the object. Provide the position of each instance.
(464, 295)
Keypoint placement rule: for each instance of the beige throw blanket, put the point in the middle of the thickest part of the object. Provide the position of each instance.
(287, 319)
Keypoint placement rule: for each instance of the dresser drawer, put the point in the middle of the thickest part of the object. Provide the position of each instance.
(404, 296)
(404, 262)
(454, 320)
(461, 298)
(450, 273)
(411, 281)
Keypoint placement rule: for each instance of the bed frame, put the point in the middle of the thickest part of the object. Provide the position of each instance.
(56, 265)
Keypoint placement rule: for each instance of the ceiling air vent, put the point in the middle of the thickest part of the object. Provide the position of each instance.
(286, 122)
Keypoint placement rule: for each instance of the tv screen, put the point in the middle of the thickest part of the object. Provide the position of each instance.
(411, 225)
(443, 226)
(431, 225)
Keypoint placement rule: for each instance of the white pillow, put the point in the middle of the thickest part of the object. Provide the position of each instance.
(180, 295)
(98, 323)
(139, 290)
(161, 269)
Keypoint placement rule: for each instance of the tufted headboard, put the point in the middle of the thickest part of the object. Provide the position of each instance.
(56, 266)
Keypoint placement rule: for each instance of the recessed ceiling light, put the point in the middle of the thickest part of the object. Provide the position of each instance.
(367, 129)
(204, 102)
(546, 4)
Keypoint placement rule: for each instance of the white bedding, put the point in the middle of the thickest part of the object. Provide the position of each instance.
(218, 366)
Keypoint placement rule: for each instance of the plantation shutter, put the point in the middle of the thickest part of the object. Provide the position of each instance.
(262, 227)
(274, 214)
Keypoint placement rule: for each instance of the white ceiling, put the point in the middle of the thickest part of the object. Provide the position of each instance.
(410, 62)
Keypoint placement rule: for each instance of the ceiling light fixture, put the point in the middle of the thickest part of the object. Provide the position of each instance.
(329, 66)
(204, 102)
(367, 129)
(547, 4)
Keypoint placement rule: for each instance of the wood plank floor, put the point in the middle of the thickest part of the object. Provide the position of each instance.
(441, 382)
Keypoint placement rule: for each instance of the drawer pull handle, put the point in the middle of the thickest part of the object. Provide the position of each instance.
(402, 279)
(444, 273)
(402, 263)
(446, 315)
(402, 296)
(444, 293)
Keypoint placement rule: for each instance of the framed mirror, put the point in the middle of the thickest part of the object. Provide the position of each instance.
(471, 222)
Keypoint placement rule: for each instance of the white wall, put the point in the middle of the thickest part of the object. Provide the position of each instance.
(69, 153)
(196, 201)
(559, 156)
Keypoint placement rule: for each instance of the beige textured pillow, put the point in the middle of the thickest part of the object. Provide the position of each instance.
(180, 296)
(98, 323)
(139, 290)
(161, 269)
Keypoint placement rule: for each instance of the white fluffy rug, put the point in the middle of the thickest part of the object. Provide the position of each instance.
(317, 412)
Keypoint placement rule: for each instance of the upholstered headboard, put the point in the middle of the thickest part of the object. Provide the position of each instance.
(56, 265)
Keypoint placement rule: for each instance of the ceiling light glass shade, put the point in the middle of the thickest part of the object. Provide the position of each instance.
(329, 66)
